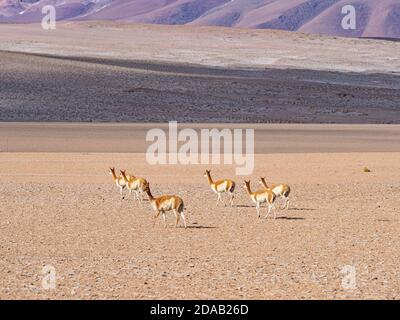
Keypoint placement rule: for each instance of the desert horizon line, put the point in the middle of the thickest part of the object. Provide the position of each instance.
(205, 27)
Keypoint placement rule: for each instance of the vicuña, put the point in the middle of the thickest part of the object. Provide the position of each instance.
(119, 181)
(261, 196)
(280, 190)
(135, 184)
(166, 203)
(221, 186)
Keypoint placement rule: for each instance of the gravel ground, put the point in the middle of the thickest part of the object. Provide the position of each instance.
(62, 210)
(42, 88)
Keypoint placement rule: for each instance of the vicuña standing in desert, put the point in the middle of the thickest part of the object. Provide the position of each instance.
(135, 184)
(166, 203)
(261, 196)
(221, 186)
(119, 181)
(280, 190)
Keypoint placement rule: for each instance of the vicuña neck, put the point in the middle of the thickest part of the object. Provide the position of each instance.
(114, 175)
(124, 176)
(210, 180)
(264, 183)
(151, 198)
(248, 190)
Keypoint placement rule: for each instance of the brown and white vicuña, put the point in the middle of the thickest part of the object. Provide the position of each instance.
(261, 196)
(135, 184)
(280, 190)
(166, 203)
(119, 181)
(221, 186)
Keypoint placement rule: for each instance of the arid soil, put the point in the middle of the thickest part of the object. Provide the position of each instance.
(131, 137)
(230, 48)
(106, 72)
(36, 88)
(62, 210)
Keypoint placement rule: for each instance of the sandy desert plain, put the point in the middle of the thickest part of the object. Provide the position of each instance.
(59, 207)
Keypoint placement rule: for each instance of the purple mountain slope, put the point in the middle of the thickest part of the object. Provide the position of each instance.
(373, 18)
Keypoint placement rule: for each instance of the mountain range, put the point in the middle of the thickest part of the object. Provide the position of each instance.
(374, 18)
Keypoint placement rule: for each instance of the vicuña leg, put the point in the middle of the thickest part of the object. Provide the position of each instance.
(287, 203)
(232, 197)
(183, 218)
(164, 218)
(269, 210)
(177, 218)
(219, 198)
(155, 217)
